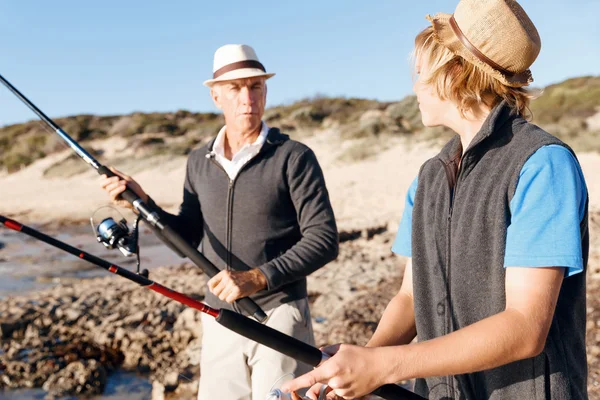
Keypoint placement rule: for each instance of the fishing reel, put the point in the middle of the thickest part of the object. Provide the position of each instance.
(116, 235)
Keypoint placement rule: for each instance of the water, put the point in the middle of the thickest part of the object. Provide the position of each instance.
(27, 264)
(119, 386)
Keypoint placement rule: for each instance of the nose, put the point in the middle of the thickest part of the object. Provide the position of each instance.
(246, 95)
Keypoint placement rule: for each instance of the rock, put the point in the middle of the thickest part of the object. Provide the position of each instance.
(187, 390)
(103, 338)
(192, 351)
(18, 368)
(78, 378)
(111, 318)
(136, 318)
(10, 328)
(144, 365)
(171, 381)
(132, 360)
(158, 391)
(72, 314)
(120, 334)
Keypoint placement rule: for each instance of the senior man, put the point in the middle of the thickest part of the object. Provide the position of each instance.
(257, 202)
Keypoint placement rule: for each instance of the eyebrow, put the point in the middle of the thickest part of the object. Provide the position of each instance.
(247, 83)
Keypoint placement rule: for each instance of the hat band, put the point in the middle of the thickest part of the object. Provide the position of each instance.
(238, 65)
(482, 57)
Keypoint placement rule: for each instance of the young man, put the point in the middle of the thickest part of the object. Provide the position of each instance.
(496, 230)
(257, 202)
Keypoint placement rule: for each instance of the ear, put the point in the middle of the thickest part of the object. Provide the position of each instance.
(215, 93)
(265, 90)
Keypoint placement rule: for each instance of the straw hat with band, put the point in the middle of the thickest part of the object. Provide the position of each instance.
(236, 61)
(497, 36)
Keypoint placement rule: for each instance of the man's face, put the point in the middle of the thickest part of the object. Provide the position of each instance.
(242, 102)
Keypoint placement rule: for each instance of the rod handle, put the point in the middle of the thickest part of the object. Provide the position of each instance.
(128, 194)
(270, 337)
(295, 349)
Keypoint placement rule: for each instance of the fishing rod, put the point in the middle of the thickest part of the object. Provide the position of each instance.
(177, 243)
(238, 323)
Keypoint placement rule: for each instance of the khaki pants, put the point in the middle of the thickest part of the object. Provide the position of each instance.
(235, 368)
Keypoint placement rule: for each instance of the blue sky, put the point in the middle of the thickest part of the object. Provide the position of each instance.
(114, 57)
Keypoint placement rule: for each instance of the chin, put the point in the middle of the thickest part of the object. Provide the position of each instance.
(249, 125)
(428, 122)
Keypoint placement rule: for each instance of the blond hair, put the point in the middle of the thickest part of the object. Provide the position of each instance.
(454, 78)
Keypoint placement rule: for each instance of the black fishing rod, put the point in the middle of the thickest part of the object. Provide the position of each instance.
(178, 244)
(246, 327)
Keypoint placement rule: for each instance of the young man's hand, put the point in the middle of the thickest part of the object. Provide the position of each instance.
(353, 371)
(232, 285)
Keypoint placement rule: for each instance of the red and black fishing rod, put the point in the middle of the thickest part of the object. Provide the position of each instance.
(246, 327)
(177, 243)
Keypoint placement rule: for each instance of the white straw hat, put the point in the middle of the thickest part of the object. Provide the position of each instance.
(236, 61)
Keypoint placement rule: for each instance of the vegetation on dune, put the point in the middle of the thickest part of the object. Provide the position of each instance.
(21, 144)
(569, 110)
(571, 99)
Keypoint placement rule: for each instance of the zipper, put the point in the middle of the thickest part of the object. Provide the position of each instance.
(229, 214)
(452, 188)
(228, 228)
(228, 224)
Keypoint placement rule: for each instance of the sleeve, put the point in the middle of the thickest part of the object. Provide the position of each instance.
(319, 242)
(546, 211)
(188, 222)
(403, 243)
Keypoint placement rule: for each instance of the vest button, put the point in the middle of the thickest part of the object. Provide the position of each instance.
(441, 308)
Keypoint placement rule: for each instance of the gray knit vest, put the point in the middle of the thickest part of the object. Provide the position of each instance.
(460, 220)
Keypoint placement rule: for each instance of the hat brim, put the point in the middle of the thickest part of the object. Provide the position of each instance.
(239, 74)
(444, 35)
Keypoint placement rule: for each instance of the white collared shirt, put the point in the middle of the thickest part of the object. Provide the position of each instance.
(239, 159)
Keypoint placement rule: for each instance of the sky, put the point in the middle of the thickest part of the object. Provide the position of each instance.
(116, 57)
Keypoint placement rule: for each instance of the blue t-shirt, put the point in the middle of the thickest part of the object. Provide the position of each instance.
(548, 205)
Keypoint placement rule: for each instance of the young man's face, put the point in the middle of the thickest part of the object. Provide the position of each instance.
(242, 101)
(434, 110)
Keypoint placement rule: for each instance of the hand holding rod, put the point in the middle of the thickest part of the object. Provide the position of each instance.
(180, 245)
(246, 327)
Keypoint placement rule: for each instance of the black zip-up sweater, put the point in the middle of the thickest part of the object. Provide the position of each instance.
(275, 216)
(460, 218)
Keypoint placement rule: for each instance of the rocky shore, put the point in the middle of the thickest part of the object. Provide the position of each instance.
(69, 339)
